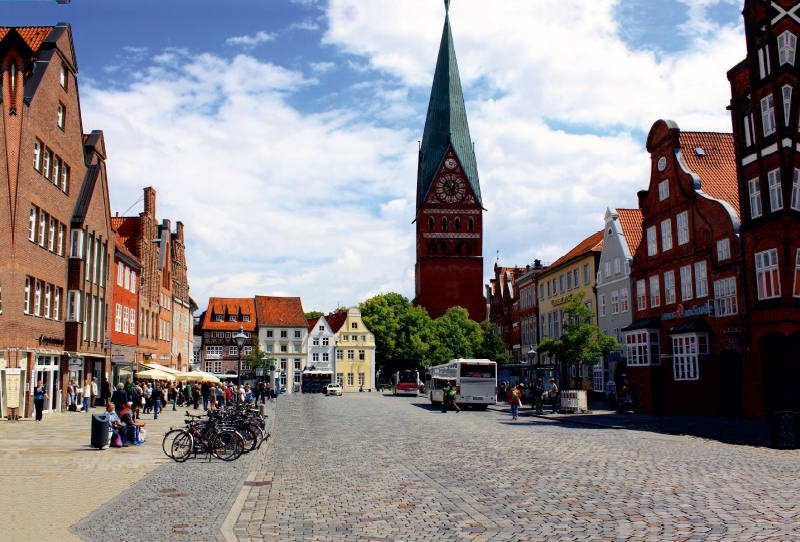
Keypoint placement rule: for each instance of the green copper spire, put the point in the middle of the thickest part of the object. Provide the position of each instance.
(446, 122)
(447, 6)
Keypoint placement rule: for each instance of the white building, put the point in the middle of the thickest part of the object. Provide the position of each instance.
(283, 335)
(320, 345)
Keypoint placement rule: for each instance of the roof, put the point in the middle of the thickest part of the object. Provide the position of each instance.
(126, 254)
(312, 324)
(127, 228)
(34, 36)
(652, 322)
(446, 123)
(631, 222)
(593, 243)
(716, 166)
(695, 325)
(85, 195)
(280, 311)
(229, 307)
(336, 320)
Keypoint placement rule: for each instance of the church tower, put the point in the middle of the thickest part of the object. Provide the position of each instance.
(449, 268)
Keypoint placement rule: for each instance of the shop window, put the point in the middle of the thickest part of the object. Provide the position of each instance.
(685, 352)
(643, 347)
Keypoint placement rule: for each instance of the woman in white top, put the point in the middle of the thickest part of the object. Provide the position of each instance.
(87, 395)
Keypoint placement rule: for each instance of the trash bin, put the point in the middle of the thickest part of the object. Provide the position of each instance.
(786, 430)
(99, 430)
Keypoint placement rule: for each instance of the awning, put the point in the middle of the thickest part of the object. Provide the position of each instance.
(695, 325)
(653, 322)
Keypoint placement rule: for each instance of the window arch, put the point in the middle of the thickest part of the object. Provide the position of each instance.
(444, 223)
(787, 45)
(458, 248)
(469, 249)
(458, 224)
(432, 249)
(443, 247)
(470, 224)
(431, 224)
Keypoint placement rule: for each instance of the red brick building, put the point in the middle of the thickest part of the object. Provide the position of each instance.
(684, 350)
(764, 114)
(218, 324)
(502, 298)
(55, 192)
(449, 225)
(123, 313)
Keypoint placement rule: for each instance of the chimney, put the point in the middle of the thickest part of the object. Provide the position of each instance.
(149, 201)
(537, 264)
(179, 231)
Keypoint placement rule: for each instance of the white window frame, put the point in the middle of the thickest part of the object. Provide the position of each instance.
(669, 287)
(76, 247)
(61, 231)
(607, 269)
(118, 319)
(64, 177)
(351, 355)
(26, 307)
(56, 314)
(361, 377)
(56, 170)
(42, 228)
(655, 292)
(615, 302)
(60, 116)
(350, 379)
(617, 267)
(687, 291)
(48, 155)
(51, 237)
(685, 352)
(768, 115)
(796, 190)
(74, 300)
(786, 93)
(723, 249)
(775, 190)
(125, 319)
(796, 291)
(624, 305)
(339, 355)
(37, 298)
(768, 278)
(602, 305)
(127, 284)
(643, 347)
(32, 222)
(62, 77)
(47, 298)
(700, 279)
(641, 294)
(754, 190)
(749, 130)
(120, 274)
(133, 281)
(666, 235)
(787, 46)
(663, 190)
(652, 242)
(682, 223)
(725, 303)
(37, 155)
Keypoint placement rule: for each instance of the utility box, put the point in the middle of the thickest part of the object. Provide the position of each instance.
(784, 431)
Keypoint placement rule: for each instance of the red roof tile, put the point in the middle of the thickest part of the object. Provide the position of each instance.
(124, 250)
(280, 311)
(593, 243)
(716, 167)
(336, 320)
(631, 222)
(312, 324)
(127, 228)
(229, 307)
(33, 35)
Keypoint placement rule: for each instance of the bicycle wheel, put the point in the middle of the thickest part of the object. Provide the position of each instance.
(250, 438)
(182, 446)
(167, 442)
(227, 446)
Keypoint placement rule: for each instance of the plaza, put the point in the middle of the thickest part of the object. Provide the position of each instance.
(375, 467)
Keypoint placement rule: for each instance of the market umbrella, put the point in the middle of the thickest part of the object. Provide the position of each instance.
(155, 374)
(198, 376)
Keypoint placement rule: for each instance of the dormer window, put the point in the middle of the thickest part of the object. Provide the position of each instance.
(231, 318)
(787, 45)
(245, 318)
(219, 318)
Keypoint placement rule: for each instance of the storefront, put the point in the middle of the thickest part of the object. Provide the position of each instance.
(315, 381)
(12, 384)
(47, 369)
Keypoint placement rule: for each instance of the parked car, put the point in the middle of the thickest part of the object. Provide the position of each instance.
(333, 389)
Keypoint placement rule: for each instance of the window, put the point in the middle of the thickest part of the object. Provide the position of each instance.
(46, 165)
(62, 78)
(700, 280)
(345, 338)
(470, 224)
(232, 318)
(133, 279)
(354, 325)
(615, 302)
(297, 348)
(360, 379)
(749, 130)
(60, 116)
(725, 297)
(768, 115)
(132, 313)
(458, 224)
(127, 278)
(339, 355)
(686, 283)
(663, 190)
(602, 305)
(269, 333)
(682, 220)
(430, 223)
(56, 178)
(786, 90)
(51, 238)
(77, 244)
(351, 355)
(685, 349)
(643, 347)
(65, 179)
(585, 273)
(669, 287)
(361, 355)
(56, 304)
(569, 281)
(641, 295)
(326, 357)
(37, 299)
(723, 249)
(607, 269)
(444, 223)
(315, 341)
(213, 351)
(624, 304)
(787, 45)
(754, 187)
(118, 319)
(796, 190)
(284, 334)
(73, 306)
(297, 365)
(769, 284)
(617, 268)
(652, 243)
(775, 193)
(296, 333)
(32, 224)
(37, 155)
(349, 379)
(61, 232)
(233, 350)
(42, 228)
(125, 319)
(797, 275)
(666, 235)
(655, 292)
(245, 318)
(284, 348)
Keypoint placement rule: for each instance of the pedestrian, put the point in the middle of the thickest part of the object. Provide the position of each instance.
(538, 395)
(39, 395)
(187, 394)
(147, 394)
(220, 395)
(196, 395)
(176, 392)
(87, 395)
(449, 397)
(157, 395)
(611, 394)
(212, 398)
(553, 393)
(128, 387)
(93, 402)
(204, 390)
(105, 391)
(136, 400)
(119, 398)
(514, 399)
(72, 390)
(503, 391)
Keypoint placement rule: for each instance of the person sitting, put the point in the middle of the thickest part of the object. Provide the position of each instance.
(119, 398)
(627, 402)
(132, 427)
(115, 427)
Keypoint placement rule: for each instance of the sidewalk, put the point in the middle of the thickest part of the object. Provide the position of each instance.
(741, 431)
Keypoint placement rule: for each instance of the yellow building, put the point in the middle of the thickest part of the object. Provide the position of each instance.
(574, 272)
(354, 363)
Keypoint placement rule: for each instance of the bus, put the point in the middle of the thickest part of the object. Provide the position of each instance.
(475, 381)
(406, 383)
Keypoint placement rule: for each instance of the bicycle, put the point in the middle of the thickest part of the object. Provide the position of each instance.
(223, 444)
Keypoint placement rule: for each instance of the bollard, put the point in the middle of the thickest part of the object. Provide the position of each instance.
(262, 408)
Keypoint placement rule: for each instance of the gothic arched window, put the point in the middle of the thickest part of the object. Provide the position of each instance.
(458, 248)
(431, 224)
(469, 249)
(470, 224)
(458, 224)
(444, 223)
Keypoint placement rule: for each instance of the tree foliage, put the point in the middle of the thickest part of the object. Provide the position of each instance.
(581, 343)
(256, 358)
(314, 314)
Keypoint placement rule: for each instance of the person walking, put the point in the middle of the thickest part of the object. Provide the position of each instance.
(87, 395)
(538, 395)
(449, 398)
(72, 390)
(503, 391)
(515, 400)
(105, 391)
(553, 393)
(94, 392)
(204, 390)
(136, 400)
(39, 395)
(158, 394)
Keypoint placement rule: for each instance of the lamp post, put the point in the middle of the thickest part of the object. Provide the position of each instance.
(240, 339)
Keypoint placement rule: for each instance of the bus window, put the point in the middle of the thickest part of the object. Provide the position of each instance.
(474, 370)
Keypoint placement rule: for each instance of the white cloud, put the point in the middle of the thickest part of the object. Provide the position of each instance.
(320, 205)
(305, 25)
(249, 42)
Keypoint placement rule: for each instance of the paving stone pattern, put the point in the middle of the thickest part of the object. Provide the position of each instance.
(375, 467)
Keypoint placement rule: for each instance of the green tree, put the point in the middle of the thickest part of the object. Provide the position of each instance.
(380, 318)
(456, 336)
(256, 357)
(581, 343)
(314, 314)
(493, 347)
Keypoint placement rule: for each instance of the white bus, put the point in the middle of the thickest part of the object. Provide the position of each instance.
(475, 381)
(406, 383)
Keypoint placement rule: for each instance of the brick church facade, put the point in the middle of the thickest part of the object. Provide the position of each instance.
(449, 214)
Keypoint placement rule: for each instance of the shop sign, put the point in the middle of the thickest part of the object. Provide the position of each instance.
(73, 362)
(259, 372)
(55, 341)
(702, 310)
(560, 300)
(118, 358)
(213, 356)
(147, 358)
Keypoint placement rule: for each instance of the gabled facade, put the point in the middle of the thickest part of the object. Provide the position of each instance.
(355, 350)
(764, 114)
(219, 324)
(502, 298)
(449, 225)
(623, 233)
(684, 350)
(283, 335)
(321, 347)
(183, 306)
(528, 285)
(123, 312)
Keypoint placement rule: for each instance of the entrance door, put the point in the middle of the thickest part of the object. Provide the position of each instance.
(731, 384)
(47, 371)
(780, 361)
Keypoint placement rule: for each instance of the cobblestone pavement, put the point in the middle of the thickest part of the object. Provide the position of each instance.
(375, 467)
(51, 478)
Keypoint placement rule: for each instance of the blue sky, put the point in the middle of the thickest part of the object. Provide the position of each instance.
(283, 133)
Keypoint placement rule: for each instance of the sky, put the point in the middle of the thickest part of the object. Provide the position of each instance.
(284, 133)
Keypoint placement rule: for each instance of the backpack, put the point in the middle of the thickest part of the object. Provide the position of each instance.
(514, 395)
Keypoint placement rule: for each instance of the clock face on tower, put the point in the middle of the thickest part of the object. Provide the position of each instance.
(450, 188)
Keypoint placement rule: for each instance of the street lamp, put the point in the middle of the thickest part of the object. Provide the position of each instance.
(240, 339)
